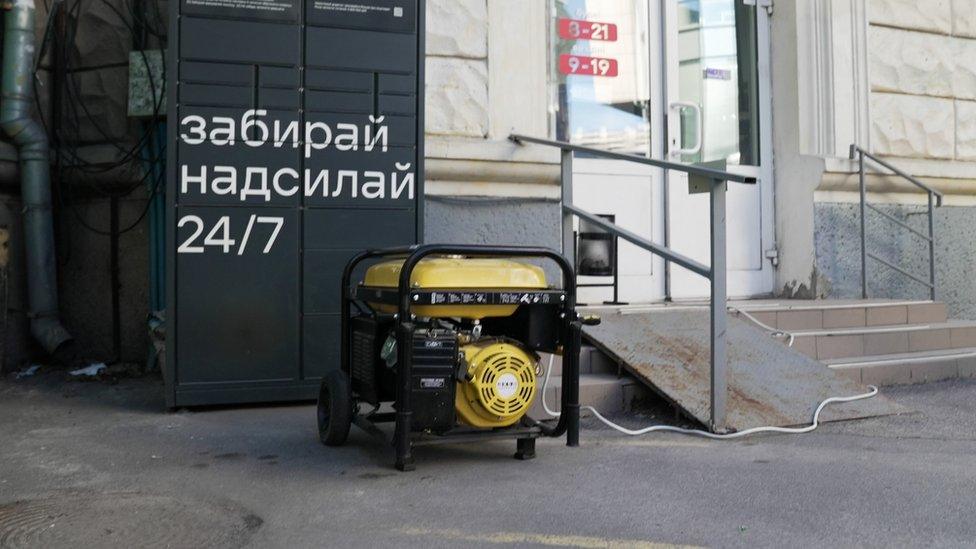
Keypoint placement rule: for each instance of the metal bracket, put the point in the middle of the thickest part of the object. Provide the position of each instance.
(773, 256)
(767, 4)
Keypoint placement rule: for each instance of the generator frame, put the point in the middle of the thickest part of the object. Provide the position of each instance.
(405, 298)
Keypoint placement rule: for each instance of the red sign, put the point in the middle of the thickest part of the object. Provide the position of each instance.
(589, 66)
(577, 29)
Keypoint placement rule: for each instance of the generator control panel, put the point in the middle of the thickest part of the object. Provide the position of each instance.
(295, 141)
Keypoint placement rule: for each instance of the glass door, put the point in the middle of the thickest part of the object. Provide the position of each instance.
(681, 80)
(717, 101)
(607, 95)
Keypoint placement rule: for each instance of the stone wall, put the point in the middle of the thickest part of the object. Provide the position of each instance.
(922, 70)
(487, 64)
(457, 68)
(515, 222)
(838, 254)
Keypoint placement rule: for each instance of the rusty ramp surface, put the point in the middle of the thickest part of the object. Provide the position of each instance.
(769, 383)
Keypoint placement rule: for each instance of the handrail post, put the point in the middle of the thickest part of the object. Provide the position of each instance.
(566, 197)
(931, 249)
(719, 320)
(864, 251)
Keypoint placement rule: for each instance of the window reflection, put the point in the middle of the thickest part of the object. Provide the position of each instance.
(717, 70)
(606, 112)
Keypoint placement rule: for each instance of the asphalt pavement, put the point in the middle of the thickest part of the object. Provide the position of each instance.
(95, 464)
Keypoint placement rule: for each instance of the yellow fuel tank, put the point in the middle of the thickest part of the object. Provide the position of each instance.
(459, 273)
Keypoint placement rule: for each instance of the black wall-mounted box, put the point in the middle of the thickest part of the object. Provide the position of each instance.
(295, 140)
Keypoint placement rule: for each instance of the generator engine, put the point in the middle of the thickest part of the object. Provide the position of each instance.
(447, 347)
(496, 383)
(471, 362)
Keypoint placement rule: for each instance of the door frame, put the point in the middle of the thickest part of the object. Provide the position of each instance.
(594, 167)
(662, 78)
(761, 282)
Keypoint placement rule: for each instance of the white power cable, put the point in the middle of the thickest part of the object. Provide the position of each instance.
(545, 385)
(775, 332)
(706, 434)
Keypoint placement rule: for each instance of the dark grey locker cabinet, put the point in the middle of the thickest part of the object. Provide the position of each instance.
(296, 139)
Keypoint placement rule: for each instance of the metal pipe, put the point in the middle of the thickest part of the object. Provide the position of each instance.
(897, 221)
(666, 209)
(570, 405)
(718, 313)
(931, 249)
(18, 122)
(566, 186)
(640, 242)
(894, 267)
(898, 172)
(864, 250)
(692, 169)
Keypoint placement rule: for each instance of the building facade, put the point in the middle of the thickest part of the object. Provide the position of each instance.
(778, 90)
(781, 91)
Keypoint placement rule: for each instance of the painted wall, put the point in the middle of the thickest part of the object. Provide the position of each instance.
(797, 174)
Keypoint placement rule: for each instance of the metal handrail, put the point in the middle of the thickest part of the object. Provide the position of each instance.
(855, 150)
(715, 273)
(639, 241)
(691, 169)
(934, 200)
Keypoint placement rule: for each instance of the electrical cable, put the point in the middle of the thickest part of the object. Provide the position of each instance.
(706, 434)
(76, 109)
(775, 332)
(72, 104)
(133, 225)
(76, 101)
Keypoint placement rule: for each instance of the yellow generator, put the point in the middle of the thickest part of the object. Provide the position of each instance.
(450, 336)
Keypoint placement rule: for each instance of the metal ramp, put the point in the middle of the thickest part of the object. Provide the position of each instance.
(768, 382)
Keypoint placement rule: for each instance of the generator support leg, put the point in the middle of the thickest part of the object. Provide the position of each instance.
(404, 413)
(571, 377)
(404, 452)
(525, 448)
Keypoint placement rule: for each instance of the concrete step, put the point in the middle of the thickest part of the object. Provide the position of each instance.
(608, 393)
(835, 314)
(908, 368)
(829, 344)
(592, 361)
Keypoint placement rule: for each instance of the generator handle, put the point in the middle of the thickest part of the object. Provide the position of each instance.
(420, 252)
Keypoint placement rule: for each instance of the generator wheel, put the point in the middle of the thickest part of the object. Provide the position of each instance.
(334, 409)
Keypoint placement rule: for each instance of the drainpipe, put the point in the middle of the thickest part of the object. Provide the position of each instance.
(18, 122)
